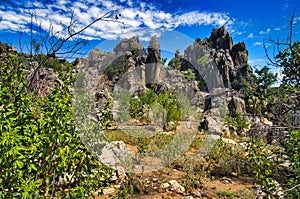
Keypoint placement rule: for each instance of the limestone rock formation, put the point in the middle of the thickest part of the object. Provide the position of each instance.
(239, 54)
(221, 39)
(217, 64)
(154, 68)
(224, 100)
(133, 45)
(230, 60)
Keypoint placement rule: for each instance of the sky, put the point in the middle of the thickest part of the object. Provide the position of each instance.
(253, 22)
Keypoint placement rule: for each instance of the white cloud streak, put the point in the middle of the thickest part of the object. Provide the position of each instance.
(258, 43)
(265, 32)
(137, 17)
(250, 36)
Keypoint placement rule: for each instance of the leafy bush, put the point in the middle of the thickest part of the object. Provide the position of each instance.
(264, 159)
(189, 75)
(238, 124)
(226, 159)
(258, 159)
(293, 152)
(139, 108)
(41, 155)
(202, 60)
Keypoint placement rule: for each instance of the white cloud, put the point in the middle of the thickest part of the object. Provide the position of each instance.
(277, 28)
(141, 19)
(202, 18)
(258, 43)
(251, 36)
(258, 62)
(265, 32)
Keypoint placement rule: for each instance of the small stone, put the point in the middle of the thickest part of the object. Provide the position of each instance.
(113, 178)
(225, 180)
(188, 197)
(196, 193)
(176, 187)
(109, 190)
(165, 185)
(117, 186)
(121, 173)
(154, 180)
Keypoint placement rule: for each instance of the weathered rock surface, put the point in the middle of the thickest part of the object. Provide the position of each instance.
(230, 62)
(218, 65)
(132, 45)
(154, 68)
(113, 154)
(221, 39)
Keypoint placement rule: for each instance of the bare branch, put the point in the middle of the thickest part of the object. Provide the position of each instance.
(54, 42)
(105, 17)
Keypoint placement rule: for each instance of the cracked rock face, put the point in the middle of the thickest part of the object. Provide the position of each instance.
(131, 45)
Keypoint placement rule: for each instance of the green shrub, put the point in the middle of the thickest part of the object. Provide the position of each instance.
(258, 159)
(189, 75)
(293, 152)
(139, 108)
(225, 159)
(202, 60)
(41, 155)
(237, 124)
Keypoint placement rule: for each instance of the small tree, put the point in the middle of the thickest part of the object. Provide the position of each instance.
(287, 57)
(260, 99)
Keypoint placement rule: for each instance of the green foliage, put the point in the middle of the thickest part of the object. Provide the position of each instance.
(176, 63)
(105, 118)
(159, 141)
(260, 100)
(226, 159)
(258, 159)
(122, 193)
(192, 180)
(41, 155)
(263, 160)
(113, 71)
(226, 194)
(293, 152)
(202, 60)
(185, 104)
(237, 124)
(289, 60)
(202, 85)
(142, 145)
(164, 60)
(189, 75)
(139, 108)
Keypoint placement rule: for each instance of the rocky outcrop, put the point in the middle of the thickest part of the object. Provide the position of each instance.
(223, 101)
(154, 68)
(218, 67)
(219, 52)
(220, 39)
(239, 54)
(132, 45)
(199, 57)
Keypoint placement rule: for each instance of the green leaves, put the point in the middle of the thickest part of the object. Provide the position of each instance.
(289, 60)
(260, 99)
(41, 155)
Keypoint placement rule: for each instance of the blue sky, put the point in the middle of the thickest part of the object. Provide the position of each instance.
(250, 21)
